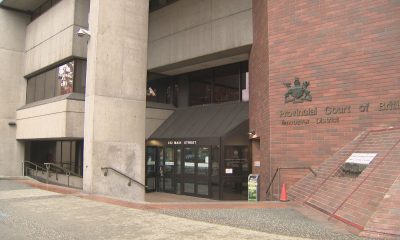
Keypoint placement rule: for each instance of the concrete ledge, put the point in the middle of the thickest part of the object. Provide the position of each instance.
(14, 178)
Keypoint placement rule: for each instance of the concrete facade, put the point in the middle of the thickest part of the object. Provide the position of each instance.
(115, 97)
(51, 37)
(59, 119)
(12, 90)
(189, 35)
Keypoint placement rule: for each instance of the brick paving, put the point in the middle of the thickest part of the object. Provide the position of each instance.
(33, 210)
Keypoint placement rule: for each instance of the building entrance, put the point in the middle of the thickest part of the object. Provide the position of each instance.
(179, 169)
(201, 151)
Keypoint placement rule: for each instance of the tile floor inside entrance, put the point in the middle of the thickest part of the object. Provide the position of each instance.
(28, 211)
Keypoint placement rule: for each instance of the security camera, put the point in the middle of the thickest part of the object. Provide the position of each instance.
(83, 32)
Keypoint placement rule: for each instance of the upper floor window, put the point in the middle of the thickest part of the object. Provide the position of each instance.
(219, 84)
(66, 78)
(214, 85)
(164, 90)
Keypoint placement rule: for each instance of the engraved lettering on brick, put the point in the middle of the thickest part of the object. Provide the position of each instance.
(333, 110)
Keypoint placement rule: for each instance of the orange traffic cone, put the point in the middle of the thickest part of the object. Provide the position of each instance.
(283, 197)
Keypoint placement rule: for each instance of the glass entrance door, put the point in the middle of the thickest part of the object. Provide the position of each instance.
(151, 156)
(166, 170)
(196, 162)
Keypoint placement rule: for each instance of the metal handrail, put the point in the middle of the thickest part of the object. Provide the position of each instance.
(105, 169)
(34, 164)
(47, 169)
(278, 171)
(66, 170)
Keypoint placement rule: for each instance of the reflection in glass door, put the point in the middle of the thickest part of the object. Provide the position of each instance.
(151, 155)
(196, 170)
(169, 166)
(166, 170)
(188, 170)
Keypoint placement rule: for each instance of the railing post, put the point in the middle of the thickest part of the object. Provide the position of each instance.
(279, 183)
(272, 190)
(68, 177)
(48, 173)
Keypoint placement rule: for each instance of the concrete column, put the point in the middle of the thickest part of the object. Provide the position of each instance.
(114, 134)
(12, 88)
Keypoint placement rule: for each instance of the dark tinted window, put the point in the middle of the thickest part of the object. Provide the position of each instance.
(160, 90)
(66, 154)
(66, 78)
(200, 84)
(226, 83)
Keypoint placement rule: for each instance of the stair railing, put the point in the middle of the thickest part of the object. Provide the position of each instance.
(58, 167)
(105, 169)
(35, 165)
(278, 172)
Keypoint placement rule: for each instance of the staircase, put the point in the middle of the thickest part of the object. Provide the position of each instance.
(370, 201)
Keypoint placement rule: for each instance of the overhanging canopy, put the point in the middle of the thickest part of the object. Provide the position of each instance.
(206, 121)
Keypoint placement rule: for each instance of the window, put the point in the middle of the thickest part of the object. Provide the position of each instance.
(200, 85)
(226, 83)
(219, 84)
(214, 85)
(236, 162)
(164, 90)
(66, 154)
(66, 78)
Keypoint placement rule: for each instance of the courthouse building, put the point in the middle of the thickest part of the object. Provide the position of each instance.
(126, 97)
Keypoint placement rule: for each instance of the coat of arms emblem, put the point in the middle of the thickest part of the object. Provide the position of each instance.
(297, 93)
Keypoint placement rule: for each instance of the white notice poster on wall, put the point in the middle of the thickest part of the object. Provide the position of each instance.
(361, 158)
(228, 170)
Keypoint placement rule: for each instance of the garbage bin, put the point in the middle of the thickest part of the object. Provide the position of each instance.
(253, 187)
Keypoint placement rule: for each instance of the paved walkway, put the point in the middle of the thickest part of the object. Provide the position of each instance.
(28, 212)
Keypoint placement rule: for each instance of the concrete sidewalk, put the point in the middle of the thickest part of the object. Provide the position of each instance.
(31, 213)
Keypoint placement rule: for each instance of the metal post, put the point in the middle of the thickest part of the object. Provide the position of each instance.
(68, 177)
(48, 173)
(279, 183)
(272, 191)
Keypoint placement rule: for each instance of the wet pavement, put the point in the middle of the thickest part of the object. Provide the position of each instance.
(27, 211)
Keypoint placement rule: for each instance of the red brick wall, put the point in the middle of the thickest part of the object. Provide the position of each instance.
(349, 51)
(259, 91)
(369, 201)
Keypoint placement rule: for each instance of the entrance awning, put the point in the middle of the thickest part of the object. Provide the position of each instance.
(206, 121)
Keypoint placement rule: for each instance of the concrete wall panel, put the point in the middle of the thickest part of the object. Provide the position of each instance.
(61, 119)
(12, 90)
(232, 31)
(195, 28)
(224, 8)
(52, 36)
(51, 51)
(154, 119)
(50, 23)
(82, 13)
